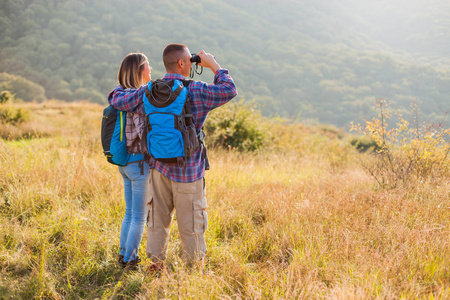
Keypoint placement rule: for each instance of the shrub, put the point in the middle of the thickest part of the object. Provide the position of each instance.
(10, 114)
(407, 150)
(364, 143)
(237, 125)
(6, 97)
(24, 89)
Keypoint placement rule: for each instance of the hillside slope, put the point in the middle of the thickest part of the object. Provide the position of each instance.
(303, 59)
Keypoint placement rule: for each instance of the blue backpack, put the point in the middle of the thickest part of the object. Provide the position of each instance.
(171, 135)
(114, 139)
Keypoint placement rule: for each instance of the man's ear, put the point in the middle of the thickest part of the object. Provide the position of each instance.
(180, 63)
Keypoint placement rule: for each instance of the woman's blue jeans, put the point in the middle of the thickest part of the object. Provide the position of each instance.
(137, 195)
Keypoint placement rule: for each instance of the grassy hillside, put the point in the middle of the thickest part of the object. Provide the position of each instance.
(300, 218)
(307, 60)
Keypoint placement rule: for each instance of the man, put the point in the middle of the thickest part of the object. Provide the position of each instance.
(173, 186)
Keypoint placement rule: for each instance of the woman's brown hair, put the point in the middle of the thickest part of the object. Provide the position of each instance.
(130, 72)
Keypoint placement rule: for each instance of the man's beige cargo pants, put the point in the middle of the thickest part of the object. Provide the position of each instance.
(189, 202)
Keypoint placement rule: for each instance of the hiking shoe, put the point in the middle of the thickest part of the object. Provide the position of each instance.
(131, 265)
(120, 259)
(155, 267)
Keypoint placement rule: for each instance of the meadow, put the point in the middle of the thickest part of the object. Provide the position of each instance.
(300, 218)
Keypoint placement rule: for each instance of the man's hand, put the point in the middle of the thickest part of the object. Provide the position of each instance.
(208, 61)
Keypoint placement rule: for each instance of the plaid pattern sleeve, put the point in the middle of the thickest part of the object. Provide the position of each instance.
(133, 131)
(209, 96)
(204, 98)
(129, 100)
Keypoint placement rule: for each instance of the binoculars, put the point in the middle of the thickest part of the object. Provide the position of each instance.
(195, 58)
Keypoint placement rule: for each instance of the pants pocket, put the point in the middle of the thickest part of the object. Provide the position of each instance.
(150, 219)
(200, 216)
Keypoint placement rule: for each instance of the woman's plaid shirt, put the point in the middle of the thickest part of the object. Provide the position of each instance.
(133, 130)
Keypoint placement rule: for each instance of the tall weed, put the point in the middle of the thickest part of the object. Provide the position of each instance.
(406, 153)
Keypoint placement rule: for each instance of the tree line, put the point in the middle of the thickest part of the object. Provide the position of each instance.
(297, 63)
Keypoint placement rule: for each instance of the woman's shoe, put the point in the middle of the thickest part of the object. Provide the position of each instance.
(131, 265)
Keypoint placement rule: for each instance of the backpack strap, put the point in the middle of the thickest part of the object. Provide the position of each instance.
(201, 133)
(201, 137)
(186, 82)
(141, 163)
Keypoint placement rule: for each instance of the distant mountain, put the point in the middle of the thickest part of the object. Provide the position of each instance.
(324, 61)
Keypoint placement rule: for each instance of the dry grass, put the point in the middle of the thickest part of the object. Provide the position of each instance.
(304, 221)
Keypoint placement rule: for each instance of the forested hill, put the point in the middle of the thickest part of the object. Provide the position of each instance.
(310, 60)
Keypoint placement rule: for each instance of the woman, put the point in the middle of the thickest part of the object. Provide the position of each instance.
(134, 72)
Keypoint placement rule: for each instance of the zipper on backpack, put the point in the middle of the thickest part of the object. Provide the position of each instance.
(121, 126)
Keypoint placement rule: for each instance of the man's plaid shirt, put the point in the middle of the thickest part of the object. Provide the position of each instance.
(204, 98)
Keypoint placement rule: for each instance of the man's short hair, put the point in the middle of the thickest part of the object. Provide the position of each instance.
(171, 54)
